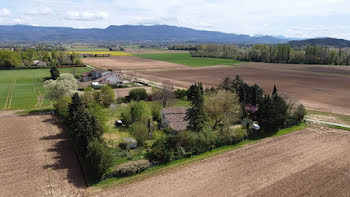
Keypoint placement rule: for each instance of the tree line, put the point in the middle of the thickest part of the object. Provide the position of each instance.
(281, 53)
(12, 59)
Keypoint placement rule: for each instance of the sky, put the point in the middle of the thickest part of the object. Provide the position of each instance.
(290, 18)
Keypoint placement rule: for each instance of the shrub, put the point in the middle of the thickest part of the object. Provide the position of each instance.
(137, 94)
(300, 113)
(186, 143)
(61, 107)
(180, 94)
(131, 168)
(232, 136)
(140, 131)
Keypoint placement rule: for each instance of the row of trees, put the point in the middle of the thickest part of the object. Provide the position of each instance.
(281, 53)
(11, 59)
(86, 132)
(84, 116)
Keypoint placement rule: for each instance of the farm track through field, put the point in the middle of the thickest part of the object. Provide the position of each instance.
(39, 94)
(9, 97)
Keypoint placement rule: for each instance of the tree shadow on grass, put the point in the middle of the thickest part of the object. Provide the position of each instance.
(61, 154)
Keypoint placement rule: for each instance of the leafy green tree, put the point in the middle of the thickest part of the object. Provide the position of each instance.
(107, 95)
(223, 107)
(196, 114)
(140, 111)
(55, 73)
(9, 59)
(137, 94)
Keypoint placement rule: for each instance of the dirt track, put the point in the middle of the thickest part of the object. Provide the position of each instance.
(310, 162)
(36, 159)
(324, 88)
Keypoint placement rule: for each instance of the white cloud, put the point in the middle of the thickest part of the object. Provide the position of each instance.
(40, 11)
(5, 12)
(86, 16)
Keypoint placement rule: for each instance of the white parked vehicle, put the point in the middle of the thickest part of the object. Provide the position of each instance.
(256, 127)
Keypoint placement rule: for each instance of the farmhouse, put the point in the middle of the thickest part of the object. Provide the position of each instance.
(94, 74)
(174, 118)
(110, 78)
(39, 63)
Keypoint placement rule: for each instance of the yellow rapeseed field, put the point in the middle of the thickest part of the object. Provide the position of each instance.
(113, 53)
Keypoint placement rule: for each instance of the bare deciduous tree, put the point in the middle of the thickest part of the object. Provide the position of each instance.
(291, 102)
(166, 93)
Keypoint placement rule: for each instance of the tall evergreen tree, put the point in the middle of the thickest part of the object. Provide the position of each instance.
(54, 73)
(274, 90)
(196, 114)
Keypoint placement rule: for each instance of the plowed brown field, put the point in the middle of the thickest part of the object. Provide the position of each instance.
(128, 63)
(306, 163)
(36, 159)
(324, 88)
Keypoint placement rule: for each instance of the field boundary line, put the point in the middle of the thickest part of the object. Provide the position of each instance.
(13, 88)
(328, 123)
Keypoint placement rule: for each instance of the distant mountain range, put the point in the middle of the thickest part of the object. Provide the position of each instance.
(128, 33)
(331, 42)
(155, 33)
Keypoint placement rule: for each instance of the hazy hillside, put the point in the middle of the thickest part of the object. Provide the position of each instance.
(128, 32)
(322, 42)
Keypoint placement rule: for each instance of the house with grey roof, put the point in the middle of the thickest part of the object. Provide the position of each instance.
(174, 117)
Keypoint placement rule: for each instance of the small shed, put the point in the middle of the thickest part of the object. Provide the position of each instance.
(130, 142)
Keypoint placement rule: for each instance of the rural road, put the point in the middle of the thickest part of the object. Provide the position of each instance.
(327, 123)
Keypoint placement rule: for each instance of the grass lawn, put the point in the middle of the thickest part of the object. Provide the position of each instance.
(20, 89)
(187, 59)
(176, 164)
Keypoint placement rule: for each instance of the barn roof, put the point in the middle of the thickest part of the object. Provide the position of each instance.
(175, 117)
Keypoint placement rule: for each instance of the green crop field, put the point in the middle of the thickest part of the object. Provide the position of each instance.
(22, 89)
(187, 59)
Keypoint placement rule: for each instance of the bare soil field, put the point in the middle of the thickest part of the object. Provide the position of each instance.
(36, 159)
(122, 92)
(324, 88)
(130, 63)
(311, 162)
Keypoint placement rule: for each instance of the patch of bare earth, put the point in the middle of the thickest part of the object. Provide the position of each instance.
(319, 88)
(36, 159)
(130, 63)
(309, 162)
